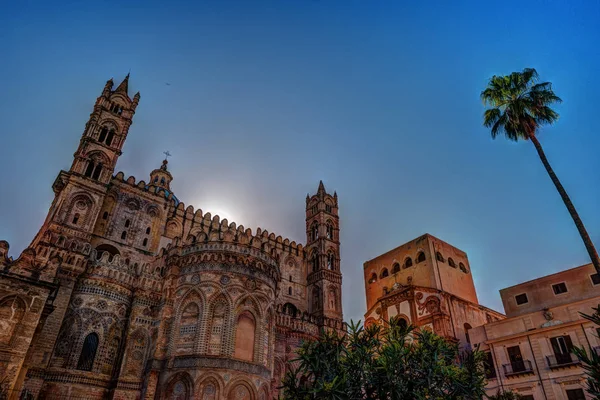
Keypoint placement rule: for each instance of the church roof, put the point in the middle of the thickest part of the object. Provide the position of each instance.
(123, 86)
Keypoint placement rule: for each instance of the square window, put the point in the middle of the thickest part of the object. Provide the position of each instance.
(559, 288)
(575, 394)
(595, 278)
(521, 299)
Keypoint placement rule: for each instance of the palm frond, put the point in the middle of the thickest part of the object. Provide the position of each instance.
(519, 105)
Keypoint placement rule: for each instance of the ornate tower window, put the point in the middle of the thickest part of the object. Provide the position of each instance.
(88, 352)
(420, 257)
(75, 218)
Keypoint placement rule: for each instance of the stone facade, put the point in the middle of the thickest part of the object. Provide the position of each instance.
(428, 283)
(126, 293)
(530, 351)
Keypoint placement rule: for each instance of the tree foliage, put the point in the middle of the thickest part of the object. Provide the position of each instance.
(519, 104)
(591, 362)
(394, 362)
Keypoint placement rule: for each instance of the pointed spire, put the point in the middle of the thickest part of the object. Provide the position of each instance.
(123, 86)
(321, 188)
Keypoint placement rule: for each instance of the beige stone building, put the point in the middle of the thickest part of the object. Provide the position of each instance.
(428, 283)
(126, 293)
(530, 351)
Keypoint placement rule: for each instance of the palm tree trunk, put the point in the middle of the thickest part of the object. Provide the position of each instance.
(563, 193)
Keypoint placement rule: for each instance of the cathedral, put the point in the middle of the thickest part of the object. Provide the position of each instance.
(126, 293)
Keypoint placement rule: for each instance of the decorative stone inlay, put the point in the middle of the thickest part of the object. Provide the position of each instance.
(224, 280)
(221, 363)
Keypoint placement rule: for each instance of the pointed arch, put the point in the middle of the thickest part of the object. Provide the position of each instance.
(180, 387)
(189, 317)
(12, 311)
(218, 329)
(137, 351)
(88, 352)
(210, 386)
(241, 389)
(245, 334)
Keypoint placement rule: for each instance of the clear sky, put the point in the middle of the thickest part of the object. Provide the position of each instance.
(379, 99)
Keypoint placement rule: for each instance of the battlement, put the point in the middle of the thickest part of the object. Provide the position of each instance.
(131, 275)
(209, 225)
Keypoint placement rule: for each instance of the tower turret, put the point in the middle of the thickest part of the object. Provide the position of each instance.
(161, 177)
(323, 252)
(105, 133)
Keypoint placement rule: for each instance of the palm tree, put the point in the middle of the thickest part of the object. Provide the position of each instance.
(519, 105)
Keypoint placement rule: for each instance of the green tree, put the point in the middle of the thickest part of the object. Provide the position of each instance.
(591, 362)
(394, 362)
(519, 106)
(506, 395)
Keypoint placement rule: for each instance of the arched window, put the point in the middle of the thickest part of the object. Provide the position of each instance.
(315, 231)
(462, 267)
(90, 169)
(420, 257)
(316, 300)
(162, 181)
(88, 352)
(330, 261)
(290, 309)
(244, 337)
(217, 327)
(105, 215)
(329, 230)
(291, 279)
(188, 325)
(315, 261)
(403, 323)
(439, 256)
(110, 137)
(127, 223)
(147, 230)
(384, 273)
(103, 134)
(97, 172)
(467, 327)
(124, 235)
(290, 291)
(75, 218)
(145, 242)
(373, 278)
(395, 268)
(332, 294)
(451, 262)
(408, 262)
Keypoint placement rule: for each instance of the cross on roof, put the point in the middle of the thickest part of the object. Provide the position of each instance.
(167, 154)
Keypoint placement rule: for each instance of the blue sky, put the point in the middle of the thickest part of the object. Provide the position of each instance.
(380, 99)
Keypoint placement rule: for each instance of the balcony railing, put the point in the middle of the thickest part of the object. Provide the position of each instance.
(562, 360)
(518, 367)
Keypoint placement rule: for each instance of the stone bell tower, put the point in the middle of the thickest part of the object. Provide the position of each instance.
(323, 252)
